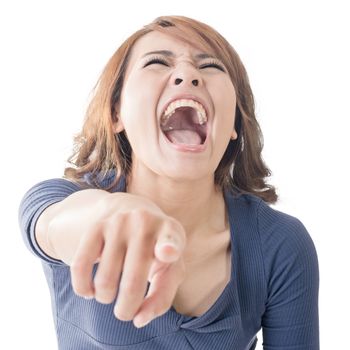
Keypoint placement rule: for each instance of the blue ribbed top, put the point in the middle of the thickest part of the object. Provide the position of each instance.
(274, 286)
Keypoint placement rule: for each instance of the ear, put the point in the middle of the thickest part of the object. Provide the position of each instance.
(118, 125)
(234, 135)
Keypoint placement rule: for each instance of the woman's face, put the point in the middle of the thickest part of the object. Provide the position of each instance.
(177, 108)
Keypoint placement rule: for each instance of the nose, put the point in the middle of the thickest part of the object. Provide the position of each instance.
(186, 75)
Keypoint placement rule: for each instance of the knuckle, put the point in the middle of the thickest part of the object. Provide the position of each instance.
(78, 267)
(139, 214)
(111, 219)
(135, 218)
(80, 289)
(130, 288)
(104, 283)
(143, 219)
(119, 217)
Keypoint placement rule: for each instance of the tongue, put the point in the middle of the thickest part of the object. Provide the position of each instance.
(188, 137)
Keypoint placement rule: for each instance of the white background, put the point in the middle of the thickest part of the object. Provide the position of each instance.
(297, 57)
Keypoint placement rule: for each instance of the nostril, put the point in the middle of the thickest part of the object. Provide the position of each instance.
(178, 81)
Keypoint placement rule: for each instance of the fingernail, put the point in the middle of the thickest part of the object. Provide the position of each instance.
(167, 252)
(169, 245)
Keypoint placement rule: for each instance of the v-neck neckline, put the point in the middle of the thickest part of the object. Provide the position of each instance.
(232, 281)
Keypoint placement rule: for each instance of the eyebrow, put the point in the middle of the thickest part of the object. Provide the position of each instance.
(160, 52)
(168, 53)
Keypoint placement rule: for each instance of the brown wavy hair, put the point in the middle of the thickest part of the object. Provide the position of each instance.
(98, 151)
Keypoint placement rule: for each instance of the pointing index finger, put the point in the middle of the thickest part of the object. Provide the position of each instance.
(170, 244)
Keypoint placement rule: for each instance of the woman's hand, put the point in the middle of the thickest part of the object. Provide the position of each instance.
(132, 240)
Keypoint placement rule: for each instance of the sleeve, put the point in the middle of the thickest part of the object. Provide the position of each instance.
(34, 202)
(290, 320)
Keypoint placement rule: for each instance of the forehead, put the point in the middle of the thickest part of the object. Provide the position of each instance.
(156, 41)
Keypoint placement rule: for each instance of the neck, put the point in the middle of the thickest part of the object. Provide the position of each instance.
(197, 204)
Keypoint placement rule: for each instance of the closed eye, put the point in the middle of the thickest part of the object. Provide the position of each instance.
(212, 65)
(161, 61)
(156, 61)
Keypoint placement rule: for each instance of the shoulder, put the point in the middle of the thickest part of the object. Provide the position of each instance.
(101, 180)
(283, 233)
(108, 180)
(273, 226)
(283, 239)
(50, 189)
(288, 255)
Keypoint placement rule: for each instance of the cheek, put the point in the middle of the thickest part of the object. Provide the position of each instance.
(138, 114)
(225, 105)
(224, 99)
(136, 104)
(131, 99)
(141, 91)
(229, 96)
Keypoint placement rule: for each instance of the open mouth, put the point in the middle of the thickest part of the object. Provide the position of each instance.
(184, 122)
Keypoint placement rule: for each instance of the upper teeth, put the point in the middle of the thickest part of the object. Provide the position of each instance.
(202, 116)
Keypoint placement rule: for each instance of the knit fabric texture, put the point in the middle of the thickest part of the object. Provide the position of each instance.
(274, 286)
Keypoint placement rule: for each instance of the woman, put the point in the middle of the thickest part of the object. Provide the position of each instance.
(161, 235)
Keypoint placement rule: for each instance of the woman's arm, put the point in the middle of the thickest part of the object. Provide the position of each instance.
(291, 319)
(36, 200)
(129, 236)
(78, 213)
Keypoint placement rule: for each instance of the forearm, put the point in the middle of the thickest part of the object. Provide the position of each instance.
(36, 200)
(57, 230)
